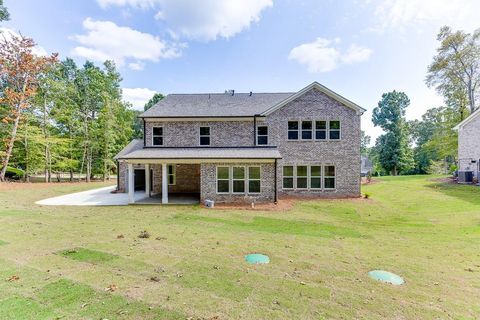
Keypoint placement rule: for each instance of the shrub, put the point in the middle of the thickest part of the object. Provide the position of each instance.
(144, 235)
(14, 173)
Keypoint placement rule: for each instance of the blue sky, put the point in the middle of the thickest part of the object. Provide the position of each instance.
(358, 48)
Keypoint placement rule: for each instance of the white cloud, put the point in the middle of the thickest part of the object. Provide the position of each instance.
(206, 20)
(323, 55)
(107, 41)
(7, 33)
(138, 97)
(399, 14)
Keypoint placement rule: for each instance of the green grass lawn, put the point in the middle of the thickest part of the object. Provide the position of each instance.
(88, 262)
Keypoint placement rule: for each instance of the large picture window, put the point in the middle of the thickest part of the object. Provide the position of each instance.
(293, 130)
(204, 136)
(223, 179)
(329, 177)
(253, 179)
(320, 130)
(307, 130)
(157, 136)
(302, 177)
(288, 177)
(238, 179)
(334, 130)
(262, 135)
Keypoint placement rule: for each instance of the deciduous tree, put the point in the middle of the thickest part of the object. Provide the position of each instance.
(20, 71)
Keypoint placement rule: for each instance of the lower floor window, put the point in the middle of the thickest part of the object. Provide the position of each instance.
(313, 177)
(171, 175)
(223, 179)
(238, 179)
(329, 177)
(253, 179)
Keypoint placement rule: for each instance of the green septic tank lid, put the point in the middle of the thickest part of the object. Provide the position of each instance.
(257, 258)
(385, 276)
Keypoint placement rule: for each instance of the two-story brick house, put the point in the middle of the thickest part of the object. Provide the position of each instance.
(246, 147)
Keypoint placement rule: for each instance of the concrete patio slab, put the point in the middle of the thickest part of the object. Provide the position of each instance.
(95, 197)
(105, 197)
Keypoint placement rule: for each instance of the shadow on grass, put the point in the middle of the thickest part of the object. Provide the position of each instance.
(277, 226)
(468, 193)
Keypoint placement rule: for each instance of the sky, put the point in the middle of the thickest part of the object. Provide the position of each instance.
(358, 48)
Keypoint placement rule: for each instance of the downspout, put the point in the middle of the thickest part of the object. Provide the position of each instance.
(255, 130)
(144, 135)
(275, 178)
(118, 175)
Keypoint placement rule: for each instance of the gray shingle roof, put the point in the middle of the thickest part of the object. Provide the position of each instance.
(215, 105)
(202, 153)
(134, 145)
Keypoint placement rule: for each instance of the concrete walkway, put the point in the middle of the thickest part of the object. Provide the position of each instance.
(95, 197)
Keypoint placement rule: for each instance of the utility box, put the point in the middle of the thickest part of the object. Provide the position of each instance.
(465, 176)
(209, 203)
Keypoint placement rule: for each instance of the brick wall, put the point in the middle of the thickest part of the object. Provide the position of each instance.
(209, 184)
(469, 145)
(344, 153)
(186, 133)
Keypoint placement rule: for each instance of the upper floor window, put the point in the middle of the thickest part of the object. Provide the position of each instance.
(292, 130)
(334, 130)
(204, 136)
(157, 136)
(321, 130)
(307, 130)
(262, 135)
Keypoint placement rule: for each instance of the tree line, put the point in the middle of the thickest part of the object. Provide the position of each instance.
(429, 145)
(57, 117)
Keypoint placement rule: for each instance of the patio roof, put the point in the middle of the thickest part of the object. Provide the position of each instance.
(200, 153)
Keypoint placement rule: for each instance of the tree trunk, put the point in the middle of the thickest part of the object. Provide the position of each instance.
(10, 144)
(394, 171)
(471, 96)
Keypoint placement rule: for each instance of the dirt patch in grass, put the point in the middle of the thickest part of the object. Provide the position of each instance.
(87, 255)
(448, 180)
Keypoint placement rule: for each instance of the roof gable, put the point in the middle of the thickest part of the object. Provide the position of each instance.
(469, 119)
(321, 88)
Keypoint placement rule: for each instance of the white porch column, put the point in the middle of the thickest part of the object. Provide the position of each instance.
(164, 183)
(147, 180)
(131, 184)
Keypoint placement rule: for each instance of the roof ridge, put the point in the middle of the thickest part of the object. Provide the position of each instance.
(226, 94)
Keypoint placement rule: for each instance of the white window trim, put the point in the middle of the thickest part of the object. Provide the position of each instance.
(292, 176)
(155, 136)
(310, 177)
(299, 130)
(311, 130)
(296, 176)
(326, 130)
(324, 176)
(248, 179)
(200, 136)
(229, 179)
(263, 135)
(174, 174)
(339, 131)
(232, 179)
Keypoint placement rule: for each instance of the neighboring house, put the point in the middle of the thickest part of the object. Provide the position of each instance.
(469, 144)
(246, 147)
(366, 167)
